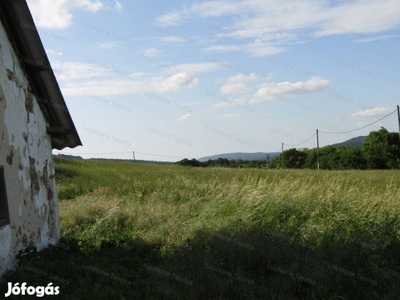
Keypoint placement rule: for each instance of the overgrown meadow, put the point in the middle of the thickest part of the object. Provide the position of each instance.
(136, 231)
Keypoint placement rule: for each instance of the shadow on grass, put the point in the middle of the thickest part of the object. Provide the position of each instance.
(234, 263)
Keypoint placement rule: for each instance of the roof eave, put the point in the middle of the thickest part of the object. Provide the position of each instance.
(26, 40)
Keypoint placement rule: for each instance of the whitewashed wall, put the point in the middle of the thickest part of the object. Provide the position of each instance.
(25, 152)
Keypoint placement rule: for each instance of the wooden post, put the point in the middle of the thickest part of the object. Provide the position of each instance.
(317, 151)
(398, 117)
(282, 156)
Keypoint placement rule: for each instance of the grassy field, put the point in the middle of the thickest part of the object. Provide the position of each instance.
(134, 231)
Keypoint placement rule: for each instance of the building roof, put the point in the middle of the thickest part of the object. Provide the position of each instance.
(18, 22)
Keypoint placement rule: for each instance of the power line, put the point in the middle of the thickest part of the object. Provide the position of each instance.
(98, 153)
(157, 155)
(342, 132)
(301, 142)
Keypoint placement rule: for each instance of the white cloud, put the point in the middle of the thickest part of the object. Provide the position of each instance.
(223, 48)
(268, 90)
(151, 52)
(101, 88)
(272, 90)
(229, 116)
(118, 86)
(54, 52)
(170, 19)
(118, 5)
(184, 117)
(198, 68)
(175, 82)
(361, 17)
(259, 49)
(264, 28)
(222, 104)
(377, 38)
(372, 112)
(242, 78)
(77, 70)
(137, 75)
(234, 88)
(239, 102)
(106, 45)
(58, 13)
(174, 39)
(217, 8)
(236, 84)
(102, 79)
(204, 10)
(136, 84)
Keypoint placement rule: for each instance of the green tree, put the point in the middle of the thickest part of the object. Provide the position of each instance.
(294, 159)
(210, 163)
(276, 162)
(330, 158)
(352, 158)
(193, 163)
(233, 163)
(222, 162)
(381, 149)
(311, 159)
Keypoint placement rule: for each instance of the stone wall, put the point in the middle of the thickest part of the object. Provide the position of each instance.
(26, 154)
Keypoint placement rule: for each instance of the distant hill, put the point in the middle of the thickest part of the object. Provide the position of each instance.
(68, 156)
(354, 142)
(242, 155)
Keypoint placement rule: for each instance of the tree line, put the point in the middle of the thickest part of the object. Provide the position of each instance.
(380, 150)
(223, 162)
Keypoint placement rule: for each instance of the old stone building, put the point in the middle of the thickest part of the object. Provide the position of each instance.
(34, 119)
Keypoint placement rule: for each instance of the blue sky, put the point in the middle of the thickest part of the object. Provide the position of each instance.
(184, 79)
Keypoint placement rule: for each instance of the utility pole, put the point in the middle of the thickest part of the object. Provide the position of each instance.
(282, 156)
(134, 160)
(317, 151)
(398, 117)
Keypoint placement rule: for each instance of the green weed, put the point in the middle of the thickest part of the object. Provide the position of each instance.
(171, 232)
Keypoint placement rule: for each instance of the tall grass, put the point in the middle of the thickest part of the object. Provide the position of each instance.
(215, 233)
